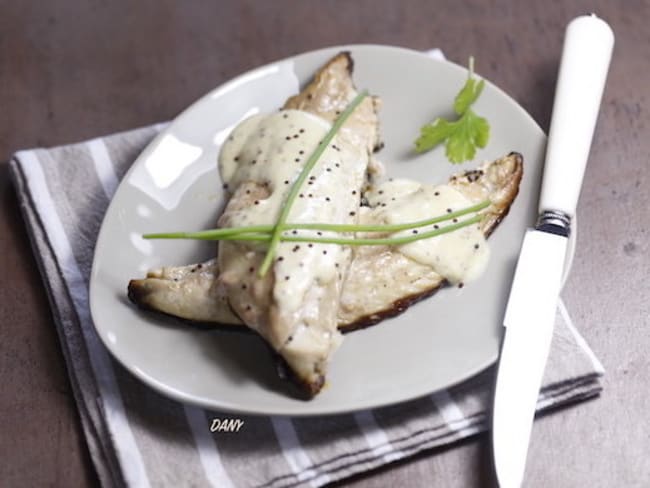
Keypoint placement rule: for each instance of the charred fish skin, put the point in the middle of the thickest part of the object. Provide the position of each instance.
(499, 181)
(187, 292)
(329, 93)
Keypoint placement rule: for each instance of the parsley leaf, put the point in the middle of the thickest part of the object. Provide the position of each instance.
(433, 134)
(471, 131)
(464, 135)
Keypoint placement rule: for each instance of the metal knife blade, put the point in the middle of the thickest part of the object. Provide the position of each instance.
(530, 313)
(528, 321)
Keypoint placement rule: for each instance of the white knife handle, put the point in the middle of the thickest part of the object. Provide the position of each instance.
(588, 44)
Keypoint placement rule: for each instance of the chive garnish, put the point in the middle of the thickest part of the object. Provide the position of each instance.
(239, 233)
(295, 188)
(262, 236)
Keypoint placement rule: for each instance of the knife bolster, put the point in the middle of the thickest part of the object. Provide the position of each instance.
(555, 222)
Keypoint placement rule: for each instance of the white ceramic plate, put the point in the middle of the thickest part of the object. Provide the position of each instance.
(174, 185)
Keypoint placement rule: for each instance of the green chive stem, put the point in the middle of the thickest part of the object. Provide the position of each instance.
(389, 241)
(295, 188)
(225, 233)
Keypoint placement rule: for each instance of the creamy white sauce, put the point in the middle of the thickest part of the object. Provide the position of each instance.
(271, 150)
(459, 256)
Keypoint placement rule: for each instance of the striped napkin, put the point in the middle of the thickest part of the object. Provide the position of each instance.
(139, 438)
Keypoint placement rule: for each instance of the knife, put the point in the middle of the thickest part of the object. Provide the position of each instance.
(531, 308)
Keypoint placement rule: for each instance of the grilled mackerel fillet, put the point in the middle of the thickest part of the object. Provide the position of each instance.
(294, 306)
(381, 282)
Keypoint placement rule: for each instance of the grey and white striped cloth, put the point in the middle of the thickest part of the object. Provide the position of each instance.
(139, 438)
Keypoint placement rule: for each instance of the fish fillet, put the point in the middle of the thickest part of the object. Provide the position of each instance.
(293, 306)
(381, 282)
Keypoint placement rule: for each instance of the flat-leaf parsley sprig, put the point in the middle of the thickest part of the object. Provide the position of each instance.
(463, 135)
